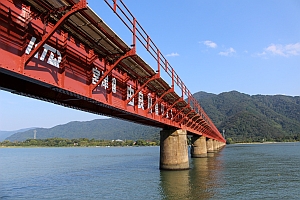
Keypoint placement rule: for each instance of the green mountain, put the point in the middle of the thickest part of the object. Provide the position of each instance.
(244, 118)
(248, 118)
(100, 129)
(5, 134)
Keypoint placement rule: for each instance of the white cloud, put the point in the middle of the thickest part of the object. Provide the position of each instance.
(228, 52)
(210, 44)
(172, 54)
(282, 50)
(262, 54)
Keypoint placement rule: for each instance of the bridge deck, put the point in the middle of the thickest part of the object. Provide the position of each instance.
(78, 61)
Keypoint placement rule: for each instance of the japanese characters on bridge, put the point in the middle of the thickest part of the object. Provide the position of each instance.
(130, 92)
(51, 59)
(54, 58)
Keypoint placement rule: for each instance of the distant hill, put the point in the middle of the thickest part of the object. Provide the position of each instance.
(5, 134)
(102, 129)
(253, 118)
(244, 118)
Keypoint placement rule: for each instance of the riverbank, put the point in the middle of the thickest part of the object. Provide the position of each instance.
(81, 142)
(263, 142)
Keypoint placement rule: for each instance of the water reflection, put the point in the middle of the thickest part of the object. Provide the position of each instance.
(200, 182)
(175, 184)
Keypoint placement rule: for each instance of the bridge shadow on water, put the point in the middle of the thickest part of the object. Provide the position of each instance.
(201, 181)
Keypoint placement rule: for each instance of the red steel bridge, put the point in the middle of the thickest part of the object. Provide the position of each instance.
(62, 52)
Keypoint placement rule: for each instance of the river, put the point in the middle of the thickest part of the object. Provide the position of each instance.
(240, 171)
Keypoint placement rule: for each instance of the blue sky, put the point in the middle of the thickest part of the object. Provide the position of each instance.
(214, 46)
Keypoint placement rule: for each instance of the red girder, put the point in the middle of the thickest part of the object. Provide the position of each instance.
(131, 52)
(199, 124)
(89, 40)
(179, 112)
(71, 78)
(160, 98)
(81, 5)
(156, 76)
(193, 121)
(185, 115)
(170, 107)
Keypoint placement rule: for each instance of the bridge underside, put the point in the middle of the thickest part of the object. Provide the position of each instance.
(39, 90)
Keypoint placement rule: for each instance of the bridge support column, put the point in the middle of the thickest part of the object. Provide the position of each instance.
(199, 149)
(222, 144)
(210, 146)
(215, 145)
(173, 150)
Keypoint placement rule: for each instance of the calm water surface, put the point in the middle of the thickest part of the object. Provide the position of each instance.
(252, 171)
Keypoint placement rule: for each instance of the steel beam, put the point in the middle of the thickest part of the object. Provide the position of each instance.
(170, 107)
(179, 112)
(185, 116)
(131, 52)
(154, 77)
(160, 98)
(81, 5)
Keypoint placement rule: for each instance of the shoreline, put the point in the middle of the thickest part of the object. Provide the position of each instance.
(263, 142)
(75, 146)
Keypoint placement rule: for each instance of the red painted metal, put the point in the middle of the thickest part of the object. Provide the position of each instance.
(61, 52)
(75, 8)
(172, 106)
(184, 117)
(128, 54)
(154, 77)
(161, 97)
(180, 112)
(192, 121)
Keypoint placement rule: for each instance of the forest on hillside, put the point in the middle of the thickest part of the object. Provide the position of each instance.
(80, 142)
(256, 118)
(244, 118)
(98, 129)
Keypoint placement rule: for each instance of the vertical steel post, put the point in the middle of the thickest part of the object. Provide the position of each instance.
(115, 6)
(134, 33)
(148, 42)
(173, 85)
(158, 62)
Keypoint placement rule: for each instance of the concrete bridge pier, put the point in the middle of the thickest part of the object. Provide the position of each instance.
(218, 144)
(173, 150)
(221, 144)
(215, 145)
(199, 149)
(210, 145)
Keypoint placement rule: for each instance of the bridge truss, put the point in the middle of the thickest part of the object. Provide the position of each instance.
(63, 52)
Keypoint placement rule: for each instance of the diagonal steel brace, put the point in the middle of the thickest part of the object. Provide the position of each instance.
(81, 5)
(154, 77)
(131, 52)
